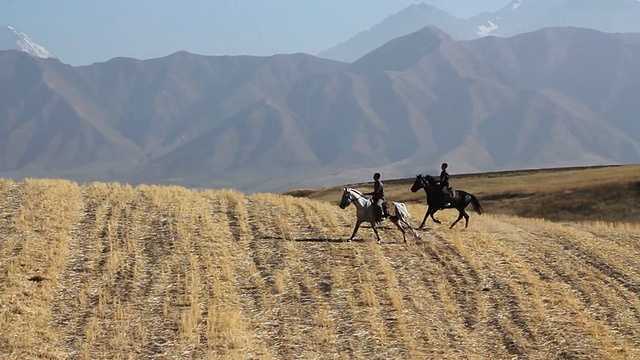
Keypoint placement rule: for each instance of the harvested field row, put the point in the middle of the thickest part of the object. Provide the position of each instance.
(104, 271)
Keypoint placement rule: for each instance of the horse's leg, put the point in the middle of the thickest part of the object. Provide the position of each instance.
(434, 219)
(464, 213)
(373, 226)
(397, 223)
(355, 230)
(460, 212)
(426, 214)
(415, 233)
(466, 218)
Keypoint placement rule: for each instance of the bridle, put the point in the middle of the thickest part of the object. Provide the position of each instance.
(423, 182)
(352, 195)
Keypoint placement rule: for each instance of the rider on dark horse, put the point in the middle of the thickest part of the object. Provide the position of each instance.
(444, 183)
(377, 196)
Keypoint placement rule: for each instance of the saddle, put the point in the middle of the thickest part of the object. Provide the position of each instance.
(385, 208)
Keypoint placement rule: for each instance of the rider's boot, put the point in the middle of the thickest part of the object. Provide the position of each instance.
(447, 199)
(380, 215)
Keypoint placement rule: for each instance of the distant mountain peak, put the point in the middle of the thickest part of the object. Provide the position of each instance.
(13, 39)
(414, 46)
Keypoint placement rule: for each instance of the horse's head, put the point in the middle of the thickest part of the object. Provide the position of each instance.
(350, 195)
(429, 180)
(346, 199)
(417, 184)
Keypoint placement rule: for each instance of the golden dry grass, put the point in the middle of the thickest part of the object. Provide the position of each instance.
(110, 271)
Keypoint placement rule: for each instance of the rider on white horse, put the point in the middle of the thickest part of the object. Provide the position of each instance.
(377, 196)
(365, 212)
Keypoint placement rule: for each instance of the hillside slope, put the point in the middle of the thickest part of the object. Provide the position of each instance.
(112, 271)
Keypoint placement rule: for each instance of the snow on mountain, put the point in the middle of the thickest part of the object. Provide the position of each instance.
(484, 30)
(516, 4)
(12, 39)
(520, 16)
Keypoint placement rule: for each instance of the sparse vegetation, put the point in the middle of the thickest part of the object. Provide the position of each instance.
(106, 271)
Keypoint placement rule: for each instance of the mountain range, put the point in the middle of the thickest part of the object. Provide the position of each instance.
(517, 17)
(554, 97)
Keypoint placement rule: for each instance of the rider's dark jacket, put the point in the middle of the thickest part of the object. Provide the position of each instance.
(378, 191)
(444, 179)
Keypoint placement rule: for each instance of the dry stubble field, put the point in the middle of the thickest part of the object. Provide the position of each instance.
(109, 271)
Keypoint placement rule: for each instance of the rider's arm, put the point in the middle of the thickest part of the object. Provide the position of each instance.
(376, 189)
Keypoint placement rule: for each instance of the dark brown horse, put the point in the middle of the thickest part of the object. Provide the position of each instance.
(460, 199)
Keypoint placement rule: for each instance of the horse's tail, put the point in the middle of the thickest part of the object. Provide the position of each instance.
(476, 204)
(402, 212)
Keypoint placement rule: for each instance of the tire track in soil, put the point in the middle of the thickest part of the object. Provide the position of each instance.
(395, 340)
(311, 287)
(68, 311)
(505, 281)
(307, 224)
(522, 245)
(461, 276)
(338, 258)
(243, 228)
(14, 192)
(563, 242)
(305, 296)
(155, 241)
(212, 275)
(609, 279)
(82, 277)
(409, 263)
(608, 272)
(409, 268)
(553, 263)
(348, 297)
(267, 255)
(11, 247)
(376, 342)
(392, 318)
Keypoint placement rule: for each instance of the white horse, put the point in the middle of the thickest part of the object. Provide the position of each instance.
(398, 212)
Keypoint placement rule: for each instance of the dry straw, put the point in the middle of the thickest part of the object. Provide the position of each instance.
(105, 271)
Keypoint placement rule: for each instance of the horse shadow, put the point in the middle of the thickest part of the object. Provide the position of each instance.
(320, 240)
(308, 240)
(343, 241)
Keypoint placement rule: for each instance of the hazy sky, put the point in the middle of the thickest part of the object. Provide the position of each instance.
(81, 32)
